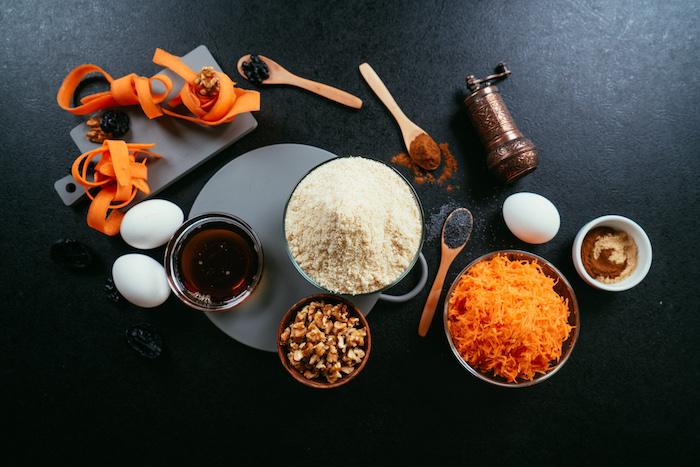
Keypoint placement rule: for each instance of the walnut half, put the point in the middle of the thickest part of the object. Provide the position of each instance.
(96, 135)
(207, 81)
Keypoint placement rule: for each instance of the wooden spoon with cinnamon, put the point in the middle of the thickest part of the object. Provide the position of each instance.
(421, 147)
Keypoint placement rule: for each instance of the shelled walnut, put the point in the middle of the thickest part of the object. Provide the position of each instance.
(96, 134)
(324, 341)
(207, 81)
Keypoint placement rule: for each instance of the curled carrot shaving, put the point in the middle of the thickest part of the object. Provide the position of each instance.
(208, 108)
(119, 177)
(505, 316)
(128, 90)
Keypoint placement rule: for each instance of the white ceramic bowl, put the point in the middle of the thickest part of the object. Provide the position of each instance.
(640, 238)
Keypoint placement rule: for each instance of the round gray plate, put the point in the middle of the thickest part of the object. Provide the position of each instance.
(255, 186)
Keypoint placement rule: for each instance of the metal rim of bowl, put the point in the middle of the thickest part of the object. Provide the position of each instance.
(175, 245)
(633, 229)
(408, 268)
(289, 316)
(574, 316)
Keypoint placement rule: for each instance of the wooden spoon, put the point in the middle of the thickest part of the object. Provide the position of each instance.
(458, 229)
(279, 75)
(409, 130)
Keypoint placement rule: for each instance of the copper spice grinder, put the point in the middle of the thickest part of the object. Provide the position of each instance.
(510, 154)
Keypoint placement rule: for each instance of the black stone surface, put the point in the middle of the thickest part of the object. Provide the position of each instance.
(608, 91)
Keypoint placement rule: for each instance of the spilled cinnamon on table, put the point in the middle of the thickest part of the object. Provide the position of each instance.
(423, 176)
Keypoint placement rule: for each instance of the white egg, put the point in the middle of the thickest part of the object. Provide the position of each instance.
(141, 280)
(531, 217)
(151, 223)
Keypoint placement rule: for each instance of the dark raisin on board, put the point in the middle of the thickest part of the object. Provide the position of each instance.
(73, 255)
(145, 340)
(256, 70)
(114, 122)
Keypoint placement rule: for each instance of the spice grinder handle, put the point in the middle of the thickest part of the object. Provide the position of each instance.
(416, 290)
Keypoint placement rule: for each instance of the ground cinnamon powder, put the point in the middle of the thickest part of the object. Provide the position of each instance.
(423, 176)
(425, 152)
(609, 255)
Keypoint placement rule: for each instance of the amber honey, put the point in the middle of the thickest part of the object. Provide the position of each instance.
(218, 263)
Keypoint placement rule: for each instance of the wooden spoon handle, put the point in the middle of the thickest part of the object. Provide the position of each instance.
(326, 91)
(385, 96)
(433, 297)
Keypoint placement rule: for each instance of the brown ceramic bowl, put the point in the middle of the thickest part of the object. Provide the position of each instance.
(321, 382)
(562, 287)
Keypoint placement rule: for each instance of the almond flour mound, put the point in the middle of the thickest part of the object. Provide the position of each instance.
(353, 225)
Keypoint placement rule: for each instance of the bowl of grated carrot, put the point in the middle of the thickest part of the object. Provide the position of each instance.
(511, 318)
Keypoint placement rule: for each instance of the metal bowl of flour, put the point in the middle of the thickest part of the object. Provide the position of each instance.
(337, 210)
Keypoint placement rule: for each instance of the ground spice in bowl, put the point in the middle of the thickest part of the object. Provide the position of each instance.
(609, 256)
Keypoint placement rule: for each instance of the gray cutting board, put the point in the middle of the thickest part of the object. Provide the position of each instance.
(183, 145)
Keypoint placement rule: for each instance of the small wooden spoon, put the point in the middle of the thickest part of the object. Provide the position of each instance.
(279, 75)
(461, 229)
(409, 130)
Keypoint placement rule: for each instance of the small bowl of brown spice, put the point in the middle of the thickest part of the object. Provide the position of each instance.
(612, 253)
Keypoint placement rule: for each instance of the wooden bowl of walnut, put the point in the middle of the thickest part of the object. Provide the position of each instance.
(323, 341)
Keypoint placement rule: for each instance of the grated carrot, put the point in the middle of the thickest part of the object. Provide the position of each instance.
(505, 316)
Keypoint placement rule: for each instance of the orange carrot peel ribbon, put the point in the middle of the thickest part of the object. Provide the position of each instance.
(128, 90)
(119, 177)
(214, 109)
